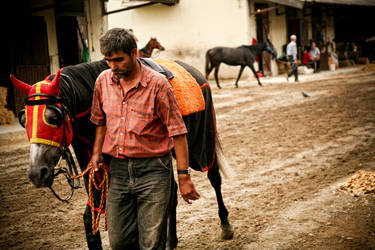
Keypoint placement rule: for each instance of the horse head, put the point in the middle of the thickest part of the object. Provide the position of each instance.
(271, 49)
(48, 127)
(155, 44)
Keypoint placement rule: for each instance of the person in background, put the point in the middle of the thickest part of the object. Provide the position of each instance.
(306, 58)
(315, 56)
(138, 123)
(291, 52)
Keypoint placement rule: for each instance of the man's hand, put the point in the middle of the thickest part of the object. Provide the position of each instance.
(96, 162)
(187, 188)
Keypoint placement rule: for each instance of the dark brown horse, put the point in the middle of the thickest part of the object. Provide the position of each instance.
(57, 113)
(242, 56)
(146, 51)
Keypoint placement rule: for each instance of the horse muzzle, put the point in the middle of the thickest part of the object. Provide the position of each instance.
(43, 159)
(41, 176)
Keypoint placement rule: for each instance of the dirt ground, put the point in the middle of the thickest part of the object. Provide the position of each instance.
(289, 155)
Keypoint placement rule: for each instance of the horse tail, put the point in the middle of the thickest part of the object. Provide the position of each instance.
(208, 63)
(222, 163)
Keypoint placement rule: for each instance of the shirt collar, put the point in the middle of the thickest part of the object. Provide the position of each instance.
(143, 80)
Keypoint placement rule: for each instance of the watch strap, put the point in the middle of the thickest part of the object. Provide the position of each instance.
(185, 171)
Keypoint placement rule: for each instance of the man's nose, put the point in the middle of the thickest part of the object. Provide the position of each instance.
(113, 66)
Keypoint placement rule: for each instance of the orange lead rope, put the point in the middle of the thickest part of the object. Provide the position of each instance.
(103, 187)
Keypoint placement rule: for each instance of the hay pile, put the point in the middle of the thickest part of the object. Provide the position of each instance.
(6, 116)
(362, 182)
(363, 60)
(369, 67)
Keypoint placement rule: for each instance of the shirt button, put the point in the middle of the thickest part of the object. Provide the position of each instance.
(120, 148)
(122, 118)
(121, 133)
(124, 103)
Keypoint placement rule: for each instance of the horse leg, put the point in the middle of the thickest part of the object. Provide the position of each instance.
(209, 69)
(216, 77)
(239, 75)
(215, 179)
(255, 74)
(172, 230)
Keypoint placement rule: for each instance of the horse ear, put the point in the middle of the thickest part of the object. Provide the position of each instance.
(55, 85)
(21, 86)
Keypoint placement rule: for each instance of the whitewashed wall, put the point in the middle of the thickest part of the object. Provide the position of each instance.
(97, 25)
(189, 28)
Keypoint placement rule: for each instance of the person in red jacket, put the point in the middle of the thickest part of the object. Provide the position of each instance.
(306, 59)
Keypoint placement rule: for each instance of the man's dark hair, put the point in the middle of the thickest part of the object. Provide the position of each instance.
(117, 39)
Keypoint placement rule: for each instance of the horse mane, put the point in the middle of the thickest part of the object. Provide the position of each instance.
(257, 46)
(144, 49)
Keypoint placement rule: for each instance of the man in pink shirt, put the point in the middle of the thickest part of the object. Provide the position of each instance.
(138, 124)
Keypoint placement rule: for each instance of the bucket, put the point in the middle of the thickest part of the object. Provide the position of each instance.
(332, 67)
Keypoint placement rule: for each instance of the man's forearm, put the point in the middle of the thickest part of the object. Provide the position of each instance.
(181, 151)
(99, 139)
(186, 186)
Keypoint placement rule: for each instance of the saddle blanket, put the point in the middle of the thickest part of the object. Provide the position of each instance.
(188, 92)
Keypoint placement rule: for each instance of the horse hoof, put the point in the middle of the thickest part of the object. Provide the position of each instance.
(226, 232)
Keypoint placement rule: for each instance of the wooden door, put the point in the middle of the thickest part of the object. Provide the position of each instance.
(29, 57)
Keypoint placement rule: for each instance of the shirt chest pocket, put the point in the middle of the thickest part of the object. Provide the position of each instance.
(140, 122)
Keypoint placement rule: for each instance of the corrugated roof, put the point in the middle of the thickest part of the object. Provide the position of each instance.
(299, 3)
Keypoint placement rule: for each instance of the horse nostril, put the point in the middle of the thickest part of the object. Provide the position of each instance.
(39, 177)
(43, 173)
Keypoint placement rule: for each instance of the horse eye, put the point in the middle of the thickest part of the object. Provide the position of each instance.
(53, 116)
(22, 117)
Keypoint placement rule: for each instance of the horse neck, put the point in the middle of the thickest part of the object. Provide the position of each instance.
(258, 48)
(147, 50)
(77, 85)
(70, 94)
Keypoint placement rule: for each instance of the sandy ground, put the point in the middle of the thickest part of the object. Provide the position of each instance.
(289, 155)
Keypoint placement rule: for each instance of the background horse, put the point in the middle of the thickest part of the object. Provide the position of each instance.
(146, 51)
(60, 106)
(243, 56)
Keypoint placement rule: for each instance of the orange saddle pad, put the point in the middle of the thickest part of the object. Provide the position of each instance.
(188, 92)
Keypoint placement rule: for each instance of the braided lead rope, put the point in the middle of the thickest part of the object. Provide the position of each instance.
(103, 187)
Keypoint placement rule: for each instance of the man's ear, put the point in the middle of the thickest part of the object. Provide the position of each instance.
(134, 52)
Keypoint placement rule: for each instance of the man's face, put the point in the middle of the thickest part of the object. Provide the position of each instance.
(313, 45)
(121, 63)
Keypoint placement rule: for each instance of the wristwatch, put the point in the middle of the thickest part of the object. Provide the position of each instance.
(185, 171)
